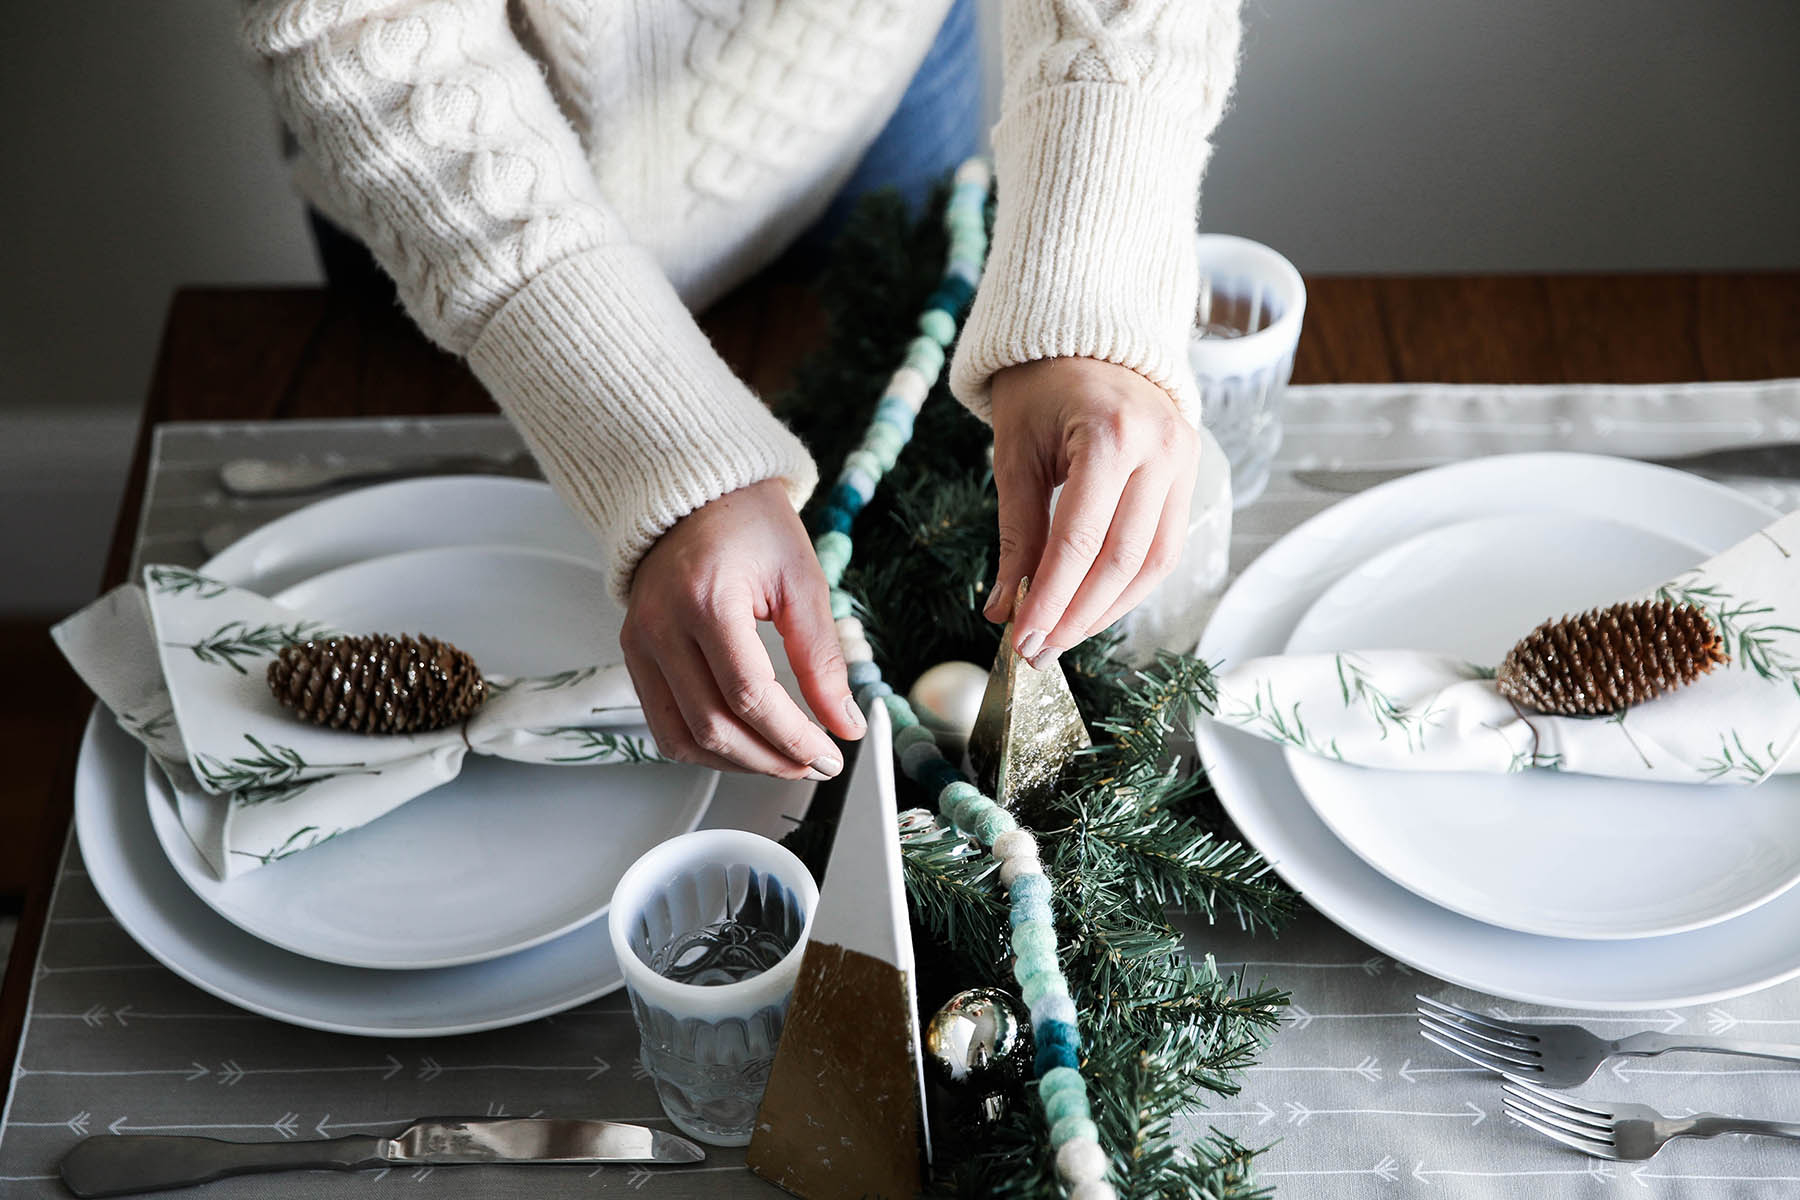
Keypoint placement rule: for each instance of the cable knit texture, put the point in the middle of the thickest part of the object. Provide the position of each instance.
(553, 212)
(1098, 155)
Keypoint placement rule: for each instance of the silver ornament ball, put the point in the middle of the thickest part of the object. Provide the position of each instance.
(979, 1040)
(946, 698)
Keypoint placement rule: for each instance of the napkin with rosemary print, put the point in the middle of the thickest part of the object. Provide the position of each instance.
(181, 663)
(1411, 710)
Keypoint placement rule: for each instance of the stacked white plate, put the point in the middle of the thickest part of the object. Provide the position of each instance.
(478, 905)
(1546, 888)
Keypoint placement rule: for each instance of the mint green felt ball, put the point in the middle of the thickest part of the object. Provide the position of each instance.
(938, 325)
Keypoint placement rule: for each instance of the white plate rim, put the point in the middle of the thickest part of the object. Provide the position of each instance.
(1298, 761)
(1223, 750)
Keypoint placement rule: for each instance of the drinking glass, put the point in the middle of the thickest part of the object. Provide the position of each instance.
(709, 929)
(1246, 326)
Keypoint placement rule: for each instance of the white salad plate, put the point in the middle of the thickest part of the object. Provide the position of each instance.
(507, 855)
(1568, 856)
(1258, 615)
(127, 866)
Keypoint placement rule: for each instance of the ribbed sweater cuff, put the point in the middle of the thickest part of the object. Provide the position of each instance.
(633, 416)
(1093, 246)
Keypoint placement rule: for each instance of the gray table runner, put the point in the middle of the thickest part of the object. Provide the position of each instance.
(1354, 1101)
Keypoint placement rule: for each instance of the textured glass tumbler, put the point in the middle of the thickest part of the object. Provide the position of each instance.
(1246, 327)
(709, 929)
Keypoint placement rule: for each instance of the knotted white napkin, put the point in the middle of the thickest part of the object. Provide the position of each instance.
(181, 663)
(1410, 710)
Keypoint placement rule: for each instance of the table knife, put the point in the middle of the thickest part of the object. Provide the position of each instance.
(256, 477)
(1776, 460)
(121, 1164)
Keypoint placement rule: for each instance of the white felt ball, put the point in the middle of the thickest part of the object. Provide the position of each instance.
(1079, 1161)
(948, 696)
(1015, 843)
(1094, 1189)
(1017, 865)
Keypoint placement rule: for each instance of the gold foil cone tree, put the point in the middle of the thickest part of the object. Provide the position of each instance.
(1608, 659)
(1027, 730)
(378, 683)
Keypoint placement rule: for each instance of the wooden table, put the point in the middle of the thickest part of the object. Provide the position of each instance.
(235, 354)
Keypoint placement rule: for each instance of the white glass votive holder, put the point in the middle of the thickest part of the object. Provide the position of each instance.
(1246, 327)
(709, 929)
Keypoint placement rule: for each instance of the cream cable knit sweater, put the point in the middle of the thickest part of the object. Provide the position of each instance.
(554, 183)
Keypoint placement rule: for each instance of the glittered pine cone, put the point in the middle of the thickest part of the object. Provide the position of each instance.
(378, 683)
(1610, 658)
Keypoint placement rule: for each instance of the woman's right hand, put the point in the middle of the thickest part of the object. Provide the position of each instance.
(703, 676)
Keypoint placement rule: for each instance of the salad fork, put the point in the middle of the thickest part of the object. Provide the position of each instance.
(1620, 1132)
(1562, 1056)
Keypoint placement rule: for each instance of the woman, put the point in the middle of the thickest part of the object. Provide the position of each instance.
(554, 184)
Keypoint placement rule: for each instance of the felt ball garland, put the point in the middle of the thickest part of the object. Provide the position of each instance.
(1081, 1163)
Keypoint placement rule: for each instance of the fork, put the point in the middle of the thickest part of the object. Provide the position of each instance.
(1561, 1056)
(1621, 1132)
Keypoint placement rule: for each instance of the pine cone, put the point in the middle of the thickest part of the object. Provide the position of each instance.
(378, 683)
(1609, 658)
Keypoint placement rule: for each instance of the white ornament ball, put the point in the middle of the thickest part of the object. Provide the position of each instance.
(946, 698)
(1080, 1161)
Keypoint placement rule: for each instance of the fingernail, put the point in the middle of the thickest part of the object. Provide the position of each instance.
(815, 776)
(1046, 658)
(1032, 642)
(854, 712)
(827, 765)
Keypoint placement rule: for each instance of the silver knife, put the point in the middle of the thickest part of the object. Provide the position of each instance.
(297, 477)
(121, 1164)
(1775, 460)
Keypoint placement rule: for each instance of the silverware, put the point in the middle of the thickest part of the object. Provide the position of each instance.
(116, 1165)
(297, 477)
(1776, 460)
(1621, 1132)
(1562, 1056)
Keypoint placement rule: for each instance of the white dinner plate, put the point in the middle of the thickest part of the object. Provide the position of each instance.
(1560, 855)
(507, 855)
(1258, 615)
(152, 903)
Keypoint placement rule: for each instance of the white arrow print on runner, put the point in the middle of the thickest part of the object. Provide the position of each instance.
(1299, 1114)
(230, 1074)
(1595, 1170)
(44, 971)
(430, 1068)
(1299, 1018)
(1409, 1072)
(287, 1126)
(1262, 1112)
(93, 1018)
(1369, 1068)
(125, 1015)
(1640, 1174)
(1720, 1021)
(1626, 1068)
(1675, 1021)
(1368, 966)
(1386, 1169)
(77, 1124)
(191, 1072)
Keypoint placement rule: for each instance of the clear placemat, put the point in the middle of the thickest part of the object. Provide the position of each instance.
(1355, 1102)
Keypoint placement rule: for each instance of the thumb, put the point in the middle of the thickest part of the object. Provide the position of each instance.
(1024, 525)
(810, 636)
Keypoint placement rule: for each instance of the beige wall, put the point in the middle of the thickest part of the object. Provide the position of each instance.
(1367, 136)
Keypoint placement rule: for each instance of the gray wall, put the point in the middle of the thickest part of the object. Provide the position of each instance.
(1367, 136)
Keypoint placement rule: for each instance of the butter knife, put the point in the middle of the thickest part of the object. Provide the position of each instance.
(1774, 460)
(251, 477)
(118, 1165)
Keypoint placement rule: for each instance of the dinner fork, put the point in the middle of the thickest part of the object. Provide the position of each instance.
(1562, 1056)
(1621, 1132)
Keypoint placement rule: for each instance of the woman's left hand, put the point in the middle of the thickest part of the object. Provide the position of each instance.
(1125, 458)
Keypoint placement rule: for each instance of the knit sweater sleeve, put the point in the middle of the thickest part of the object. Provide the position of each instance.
(427, 130)
(1102, 137)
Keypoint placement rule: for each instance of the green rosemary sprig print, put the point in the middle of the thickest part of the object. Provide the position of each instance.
(573, 677)
(293, 845)
(1753, 644)
(1738, 762)
(599, 745)
(1287, 728)
(268, 772)
(174, 581)
(151, 727)
(236, 640)
(1388, 713)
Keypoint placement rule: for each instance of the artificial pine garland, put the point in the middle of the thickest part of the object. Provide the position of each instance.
(1131, 834)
